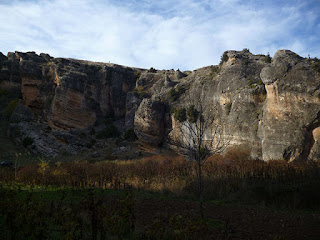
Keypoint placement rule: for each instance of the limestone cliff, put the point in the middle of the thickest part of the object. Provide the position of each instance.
(271, 107)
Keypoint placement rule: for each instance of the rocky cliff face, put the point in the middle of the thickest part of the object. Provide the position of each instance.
(272, 108)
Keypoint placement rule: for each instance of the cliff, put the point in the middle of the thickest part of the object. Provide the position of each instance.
(271, 107)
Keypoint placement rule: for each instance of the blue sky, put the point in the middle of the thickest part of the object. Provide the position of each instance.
(185, 34)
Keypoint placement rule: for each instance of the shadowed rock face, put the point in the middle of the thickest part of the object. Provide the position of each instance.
(73, 94)
(149, 121)
(271, 108)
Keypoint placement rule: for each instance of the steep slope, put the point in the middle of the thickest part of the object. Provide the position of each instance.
(270, 107)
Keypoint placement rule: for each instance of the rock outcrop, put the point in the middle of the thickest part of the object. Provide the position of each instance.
(149, 122)
(290, 121)
(270, 107)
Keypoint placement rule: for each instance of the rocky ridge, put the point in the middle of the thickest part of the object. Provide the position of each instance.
(270, 107)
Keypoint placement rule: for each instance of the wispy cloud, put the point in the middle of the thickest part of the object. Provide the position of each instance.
(184, 34)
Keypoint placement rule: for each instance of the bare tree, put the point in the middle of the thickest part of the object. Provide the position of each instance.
(200, 135)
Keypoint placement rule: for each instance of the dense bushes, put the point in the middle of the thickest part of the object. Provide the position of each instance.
(175, 93)
(224, 58)
(130, 135)
(140, 92)
(180, 114)
(233, 177)
(27, 141)
(192, 114)
(11, 107)
(110, 131)
(267, 58)
(67, 215)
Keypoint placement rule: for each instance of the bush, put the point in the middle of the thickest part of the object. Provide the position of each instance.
(130, 135)
(140, 92)
(192, 114)
(3, 92)
(11, 107)
(27, 141)
(267, 58)
(214, 70)
(175, 93)
(152, 70)
(224, 58)
(137, 74)
(245, 50)
(111, 131)
(228, 107)
(253, 82)
(180, 114)
(315, 66)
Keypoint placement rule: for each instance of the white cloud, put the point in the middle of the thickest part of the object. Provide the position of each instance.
(185, 34)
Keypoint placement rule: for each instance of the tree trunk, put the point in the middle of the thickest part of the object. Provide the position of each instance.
(200, 189)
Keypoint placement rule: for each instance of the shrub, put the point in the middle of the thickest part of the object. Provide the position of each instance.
(140, 92)
(152, 70)
(267, 58)
(3, 92)
(175, 93)
(192, 114)
(315, 66)
(11, 107)
(27, 141)
(180, 114)
(224, 58)
(137, 74)
(214, 70)
(253, 82)
(228, 107)
(111, 131)
(245, 50)
(260, 98)
(130, 135)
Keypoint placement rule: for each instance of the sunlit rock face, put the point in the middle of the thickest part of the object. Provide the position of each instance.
(270, 108)
(291, 112)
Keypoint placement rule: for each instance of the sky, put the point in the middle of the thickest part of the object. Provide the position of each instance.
(164, 34)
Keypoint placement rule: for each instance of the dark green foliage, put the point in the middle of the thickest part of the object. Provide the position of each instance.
(140, 92)
(228, 107)
(175, 93)
(245, 50)
(137, 74)
(11, 107)
(246, 62)
(214, 70)
(267, 58)
(130, 135)
(3, 92)
(27, 141)
(180, 114)
(224, 58)
(253, 82)
(152, 70)
(315, 65)
(111, 131)
(192, 114)
(85, 216)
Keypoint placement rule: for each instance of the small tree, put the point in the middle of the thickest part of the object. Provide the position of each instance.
(201, 136)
